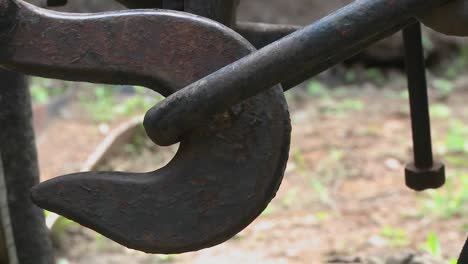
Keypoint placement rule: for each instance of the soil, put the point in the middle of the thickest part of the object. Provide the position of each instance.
(343, 198)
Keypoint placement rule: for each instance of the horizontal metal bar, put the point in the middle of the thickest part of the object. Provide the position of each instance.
(260, 35)
(290, 59)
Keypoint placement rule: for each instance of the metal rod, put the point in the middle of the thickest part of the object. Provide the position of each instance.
(299, 53)
(464, 254)
(20, 167)
(419, 103)
(7, 241)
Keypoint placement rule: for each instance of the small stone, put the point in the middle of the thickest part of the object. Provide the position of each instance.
(377, 241)
(393, 164)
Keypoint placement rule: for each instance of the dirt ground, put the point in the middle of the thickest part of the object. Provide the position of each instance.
(343, 196)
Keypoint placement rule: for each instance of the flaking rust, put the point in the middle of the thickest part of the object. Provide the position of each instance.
(161, 211)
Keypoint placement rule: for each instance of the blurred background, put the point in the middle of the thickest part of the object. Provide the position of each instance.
(343, 198)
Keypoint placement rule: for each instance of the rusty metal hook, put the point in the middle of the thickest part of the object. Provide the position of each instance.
(224, 173)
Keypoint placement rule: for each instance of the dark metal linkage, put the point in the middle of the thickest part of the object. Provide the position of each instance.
(424, 173)
(419, 103)
(296, 55)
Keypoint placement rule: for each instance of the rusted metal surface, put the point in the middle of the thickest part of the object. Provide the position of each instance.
(233, 126)
(450, 18)
(223, 11)
(298, 54)
(224, 173)
(262, 34)
(116, 48)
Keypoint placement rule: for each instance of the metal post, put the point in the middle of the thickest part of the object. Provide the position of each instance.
(20, 167)
(419, 103)
(424, 173)
(7, 241)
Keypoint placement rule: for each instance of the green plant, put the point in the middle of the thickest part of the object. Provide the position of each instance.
(298, 158)
(445, 87)
(62, 261)
(101, 106)
(343, 107)
(404, 95)
(440, 111)
(395, 237)
(290, 96)
(137, 103)
(269, 210)
(350, 76)
(104, 106)
(450, 200)
(427, 43)
(432, 245)
(459, 63)
(165, 258)
(350, 105)
(455, 140)
(42, 90)
(138, 142)
(322, 192)
(316, 89)
(376, 76)
(322, 216)
(456, 160)
(289, 198)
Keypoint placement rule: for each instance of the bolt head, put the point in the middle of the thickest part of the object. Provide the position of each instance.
(420, 179)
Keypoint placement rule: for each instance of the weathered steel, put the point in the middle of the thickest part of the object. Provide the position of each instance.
(165, 4)
(423, 173)
(450, 19)
(223, 11)
(224, 173)
(295, 55)
(262, 34)
(7, 241)
(18, 153)
(227, 168)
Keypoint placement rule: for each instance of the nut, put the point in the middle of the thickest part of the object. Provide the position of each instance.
(420, 179)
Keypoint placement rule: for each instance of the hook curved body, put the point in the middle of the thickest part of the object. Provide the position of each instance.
(224, 173)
